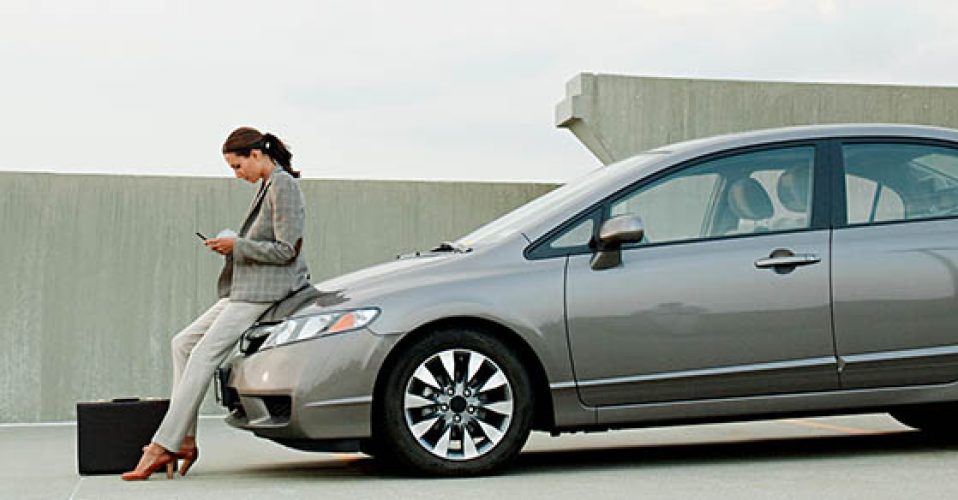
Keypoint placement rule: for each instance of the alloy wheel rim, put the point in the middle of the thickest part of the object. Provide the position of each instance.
(458, 404)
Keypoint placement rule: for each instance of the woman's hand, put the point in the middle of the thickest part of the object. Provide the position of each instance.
(223, 246)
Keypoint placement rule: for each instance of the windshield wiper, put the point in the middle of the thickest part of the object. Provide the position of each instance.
(448, 246)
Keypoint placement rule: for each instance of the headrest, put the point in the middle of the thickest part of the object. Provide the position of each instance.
(748, 200)
(792, 188)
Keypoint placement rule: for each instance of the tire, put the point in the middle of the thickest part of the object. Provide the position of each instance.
(937, 420)
(469, 422)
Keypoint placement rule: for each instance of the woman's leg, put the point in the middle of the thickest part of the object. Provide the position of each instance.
(211, 350)
(183, 343)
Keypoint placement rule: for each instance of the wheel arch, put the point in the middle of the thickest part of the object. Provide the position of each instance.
(543, 412)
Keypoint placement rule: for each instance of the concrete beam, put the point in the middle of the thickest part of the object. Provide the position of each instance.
(618, 116)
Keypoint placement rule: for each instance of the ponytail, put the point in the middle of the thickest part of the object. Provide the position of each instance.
(278, 151)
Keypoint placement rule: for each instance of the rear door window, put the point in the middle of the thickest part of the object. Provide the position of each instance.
(887, 182)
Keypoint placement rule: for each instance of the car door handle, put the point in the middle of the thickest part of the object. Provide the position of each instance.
(802, 259)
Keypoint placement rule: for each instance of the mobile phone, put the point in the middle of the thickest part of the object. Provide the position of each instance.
(201, 236)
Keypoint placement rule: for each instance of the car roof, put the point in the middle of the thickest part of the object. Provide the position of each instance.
(807, 132)
(651, 161)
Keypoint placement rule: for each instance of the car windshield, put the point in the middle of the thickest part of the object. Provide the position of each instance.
(511, 222)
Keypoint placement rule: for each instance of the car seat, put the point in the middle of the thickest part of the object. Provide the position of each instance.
(792, 191)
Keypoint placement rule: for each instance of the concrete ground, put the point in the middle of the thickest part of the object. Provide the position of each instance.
(840, 457)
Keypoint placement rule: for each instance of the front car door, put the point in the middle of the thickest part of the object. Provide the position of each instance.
(699, 309)
(895, 262)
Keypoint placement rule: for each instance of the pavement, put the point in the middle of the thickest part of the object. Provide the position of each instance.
(838, 457)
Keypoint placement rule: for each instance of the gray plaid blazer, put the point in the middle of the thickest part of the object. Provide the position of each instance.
(266, 264)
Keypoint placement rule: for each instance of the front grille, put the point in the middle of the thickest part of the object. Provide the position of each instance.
(226, 395)
(279, 407)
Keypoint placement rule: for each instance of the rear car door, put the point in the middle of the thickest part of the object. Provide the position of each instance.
(895, 262)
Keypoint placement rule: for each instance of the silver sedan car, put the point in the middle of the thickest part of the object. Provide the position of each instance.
(796, 271)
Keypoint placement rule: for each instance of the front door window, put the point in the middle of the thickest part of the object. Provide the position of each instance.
(759, 192)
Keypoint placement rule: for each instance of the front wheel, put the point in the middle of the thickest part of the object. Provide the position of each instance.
(457, 403)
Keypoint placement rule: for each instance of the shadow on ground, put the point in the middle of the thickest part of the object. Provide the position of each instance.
(646, 456)
(763, 450)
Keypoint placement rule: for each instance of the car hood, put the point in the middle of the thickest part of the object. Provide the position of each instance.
(352, 289)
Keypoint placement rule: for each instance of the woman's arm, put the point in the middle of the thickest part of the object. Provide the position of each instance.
(289, 219)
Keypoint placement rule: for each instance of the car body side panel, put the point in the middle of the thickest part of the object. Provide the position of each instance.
(525, 297)
(500, 286)
(896, 303)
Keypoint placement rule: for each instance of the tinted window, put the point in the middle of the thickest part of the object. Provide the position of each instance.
(895, 182)
(748, 193)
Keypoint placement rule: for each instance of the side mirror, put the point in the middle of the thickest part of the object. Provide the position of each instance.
(613, 233)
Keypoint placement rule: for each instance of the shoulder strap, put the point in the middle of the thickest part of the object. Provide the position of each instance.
(254, 210)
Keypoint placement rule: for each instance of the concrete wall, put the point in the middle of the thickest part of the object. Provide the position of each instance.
(618, 116)
(98, 272)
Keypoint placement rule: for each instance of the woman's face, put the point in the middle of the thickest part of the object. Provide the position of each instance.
(249, 168)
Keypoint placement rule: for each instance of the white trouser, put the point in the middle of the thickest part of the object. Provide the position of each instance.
(198, 351)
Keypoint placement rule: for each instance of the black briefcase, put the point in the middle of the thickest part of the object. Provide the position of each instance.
(111, 434)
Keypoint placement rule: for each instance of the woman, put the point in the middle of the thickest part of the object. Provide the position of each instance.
(263, 265)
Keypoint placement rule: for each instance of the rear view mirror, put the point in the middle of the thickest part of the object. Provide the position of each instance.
(612, 235)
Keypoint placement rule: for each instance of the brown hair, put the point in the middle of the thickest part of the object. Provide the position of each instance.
(245, 139)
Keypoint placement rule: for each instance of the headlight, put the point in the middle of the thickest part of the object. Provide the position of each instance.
(307, 327)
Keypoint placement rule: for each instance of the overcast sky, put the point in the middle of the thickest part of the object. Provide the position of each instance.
(444, 90)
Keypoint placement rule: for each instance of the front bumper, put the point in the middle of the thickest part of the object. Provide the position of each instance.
(308, 392)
